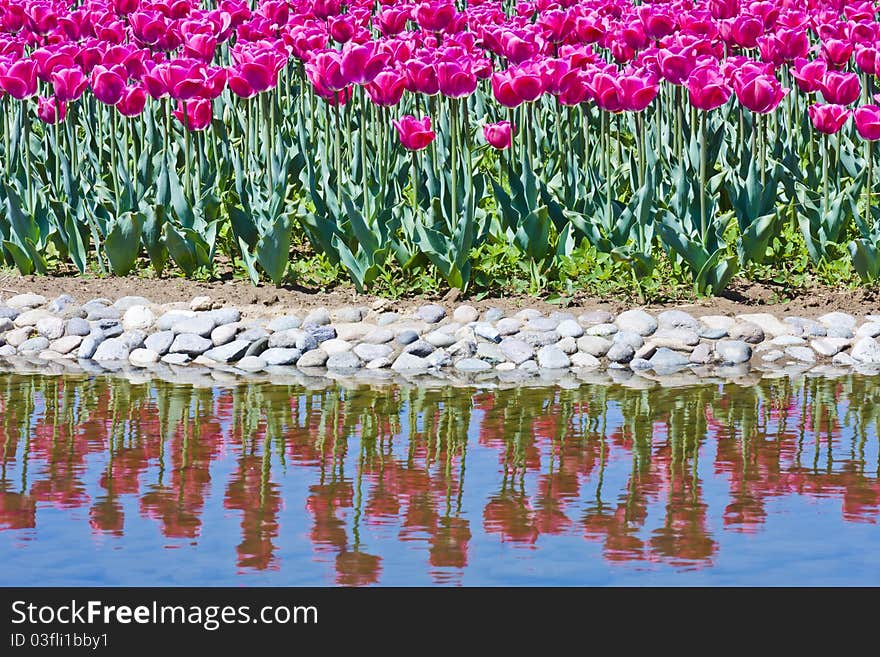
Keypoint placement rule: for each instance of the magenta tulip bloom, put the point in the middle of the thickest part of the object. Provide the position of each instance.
(866, 59)
(840, 88)
(108, 84)
(51, 110)
(808, 75)
(637, 92)
(606, 91)
(20, 79)
(707, 88)
(414, 134)
(325, 70)
(837, 52)
(746, 30)
(386, 89)
(435, 16)
(454, 80)
(867, 118)
(828, 119)
(499, 135)
(676, 66)
(421, 77)
(760, 93)
(198, 114)
(362, 62)
(69, 83)
(132, 102)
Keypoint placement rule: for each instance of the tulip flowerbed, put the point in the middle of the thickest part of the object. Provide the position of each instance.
(408, 134)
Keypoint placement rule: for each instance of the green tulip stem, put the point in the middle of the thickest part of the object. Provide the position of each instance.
(825, 175)
(363, 143)
(113, 172)
(870, 182)
(607, 144)
(453, 152)
(703, 222)
(26, 125)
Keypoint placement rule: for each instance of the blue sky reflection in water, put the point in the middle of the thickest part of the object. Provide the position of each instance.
(114, 483)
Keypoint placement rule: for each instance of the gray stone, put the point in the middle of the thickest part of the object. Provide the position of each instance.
(772, 355)
(378, 364)
(60, 303)
(103, 312)
(143, 357)
(408, 362)
(111, 349)
(718, 321)
(169, 319)
(16, 337)
(646, 350)
(335, 346)
(669, 337)
(6, 324)
(631, 338)
(200, 325)
(160, 342)
(802, 354)
(77, 326)
(702, 354)
(351, 314)
(200, 303)
(568, 345)
(528, 366)
(30, 317)
(133, 339)
(508, 326)
(100, 302)
(379, 335)
(594, 317)
(487, 332)
(7, 350)
(279, 356)
(829, 346)
(251, 364)
(637, 321)
(9, 313)
(463, 348)
(594, 345)
(313, 358)
(20, 301)
(677, 319)
(527, 313)
(733, 352)
(440, 339)
(138, 318)
(305, 342)
(31, 345)
(770, 325)
(666, 359)
(640, 364)
(431, 313)
(788, 341)
(439, 358)
(870, 330)
(493, 315)
(709, 333)
(367, 351)
(505, 367)
(124, 303)
(284, 323)
(839, 332)
(50, 328)
(838, 319)
(222, 316)
(407, 336)
(746, 332)
(620, 352)
(490, 352)
(843, 359)
(344, 360)
(472, 365)
(542, 324)
(111, 328)
(231, 351)
(465, 314)
(253, 333)
(191, 344)
(287, 338)
(584, 360)
(569, 329)
(602, 330)
(866, 350)
(175, 359)
(223, 334)
(387, 318)
(321, 332)
(89, 346)
(419, 348)
(318, 317)
(539, 338)
(552, 357)
(257, 347)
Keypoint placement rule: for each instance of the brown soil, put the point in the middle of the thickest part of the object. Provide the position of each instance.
(270, 300)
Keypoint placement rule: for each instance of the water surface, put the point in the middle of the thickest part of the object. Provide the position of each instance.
(106, 482)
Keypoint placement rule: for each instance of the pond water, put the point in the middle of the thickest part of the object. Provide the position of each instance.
(106, 482)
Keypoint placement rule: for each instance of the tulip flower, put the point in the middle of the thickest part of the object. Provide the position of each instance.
(808, 75)
(386, 88)
(707, 88)
(132, 102)
(51, 110)
(840, 88)
(761, 93)
(362, 62)
(414, 134)
(108, 85)
(828, 119)
(195, 114)
(20, 79)
(837, 52)
(69, 83)
(454, 80)
(499, 135)
(867, 119)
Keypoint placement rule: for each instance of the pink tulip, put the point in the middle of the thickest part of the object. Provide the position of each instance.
(840, 88)
(362, 62)
(656, 22)
(51, 110)
(198, 114)
(837, 52)
(499, 135)
(637, 92)
(435, 16)
(793, 44)
(20, 79)
(325, 70)
(867, 118)
(108, 84)
(707, 88)
(676, 66)
(828, 119)
(386, 89)
(746, 30)
(760, 93)
(723, 8)
(421, 77)
(866, 59)
(454, 80)
(132, 102)
(808, 75)
(606, 92)
(392, 21)
(414, 134)
(69, 84)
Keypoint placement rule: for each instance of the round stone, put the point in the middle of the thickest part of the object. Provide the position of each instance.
(620, 352)
(143, 357)
(60, 303)
(837, 319)
(594, 345)
(440, 339)
(702, 354)
(788, 341)
(190, 344)
(677, 319)
(487, 332)
(508, 326)
(528, 366)
(304, 342)
(124, 303)
(284, 323)
(516, 351)
(31, 345)
(839, 332)
(175, 359)
(21, 301)
(280, 356)
(542, 324)
(493, 315)
(223, 316)
(379, 335)
(407, 336)
(313, 358)
(257, 347)
(489, 352)
(772, 355)
(223, 334)
(568, 345)
(351, 314)
(200, 303)
(138, 318)
(335, 346)
(200, 325)
(251, 364)
(368, 352)
(226, 353)
(628, 337)
(169, 319)
(77, 326)
(870, 330)
(584, 360)
(552, 357)
(321, 332)
(30, 317)
(744, 331)
(594, 317)
(318, 317)
(431, 313)
(709, 333)
(89, 346)
(602, 330)
(160, 342)
(472, 365)
(111, 349)
(866, 350)
(733, 352)
(50, 328)
(802, 354)
(378, 364)
(637, 321)
(408, 362)
(667, 359)
(570, 329)
(465, 314)
(344, 360)
(419, 348)
(387, 318)
(829, 346)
